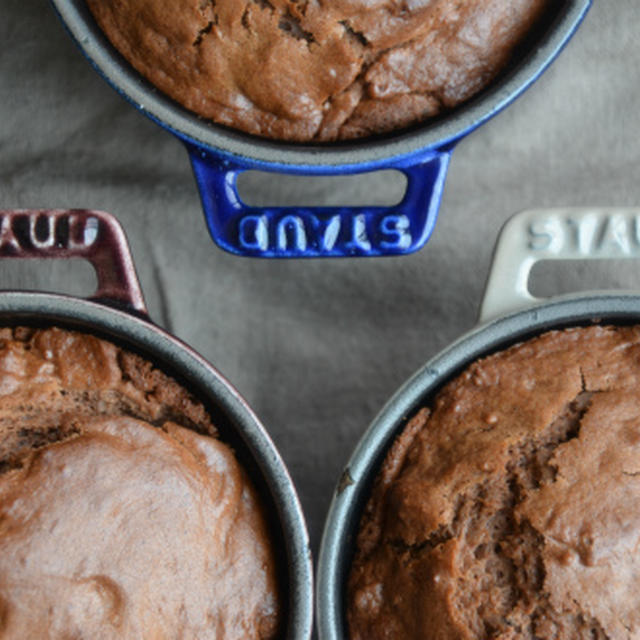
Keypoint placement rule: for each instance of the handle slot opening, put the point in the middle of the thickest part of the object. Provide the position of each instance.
(550, 278)
(72, 276)
(377, 189)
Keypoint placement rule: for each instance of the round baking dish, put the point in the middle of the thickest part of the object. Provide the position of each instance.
(117, 313)
(219, 155)
(509, 314)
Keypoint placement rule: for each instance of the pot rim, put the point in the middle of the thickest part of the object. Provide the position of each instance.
(353, 489)
(268, 154)
(139, 332)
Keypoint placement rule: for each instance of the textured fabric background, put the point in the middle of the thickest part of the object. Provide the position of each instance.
(316, 347)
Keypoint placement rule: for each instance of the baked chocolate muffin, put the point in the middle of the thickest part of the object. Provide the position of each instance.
(121, 514)
(510, 508)
(309, 70)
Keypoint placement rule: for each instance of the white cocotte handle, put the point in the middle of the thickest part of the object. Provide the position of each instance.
(553, 234)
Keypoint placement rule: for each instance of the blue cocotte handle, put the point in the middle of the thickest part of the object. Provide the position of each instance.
(310, 232)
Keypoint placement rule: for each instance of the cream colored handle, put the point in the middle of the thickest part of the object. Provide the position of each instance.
(554, 234)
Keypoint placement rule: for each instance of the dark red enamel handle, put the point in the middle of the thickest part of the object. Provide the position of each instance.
(76, 233)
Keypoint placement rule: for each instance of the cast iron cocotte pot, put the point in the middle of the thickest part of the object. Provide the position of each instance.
(509, 314)
(219, 155)
(117, 313)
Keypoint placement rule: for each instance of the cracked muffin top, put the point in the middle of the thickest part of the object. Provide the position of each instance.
(121, 514)
(318, 70)
(510, 508)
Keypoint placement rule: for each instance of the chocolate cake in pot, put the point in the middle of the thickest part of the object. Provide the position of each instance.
(121, 513)
(318, 70)
(510, 507)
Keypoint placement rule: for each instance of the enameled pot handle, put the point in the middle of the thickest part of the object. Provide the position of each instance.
(77, 233)
(554, 234)
(313, 232)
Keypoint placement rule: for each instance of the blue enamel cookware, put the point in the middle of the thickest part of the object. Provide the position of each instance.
(219, 155)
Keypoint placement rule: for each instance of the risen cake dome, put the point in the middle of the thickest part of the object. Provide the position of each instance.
(510, 507)
(318, 70)
(121, 514)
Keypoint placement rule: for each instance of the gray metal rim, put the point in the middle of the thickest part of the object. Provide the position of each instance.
(147, 338)
(79, 22)
(348, 499)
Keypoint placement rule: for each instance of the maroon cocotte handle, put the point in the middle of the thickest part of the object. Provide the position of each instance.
(76, 233)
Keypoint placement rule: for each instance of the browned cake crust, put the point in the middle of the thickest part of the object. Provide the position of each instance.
(117, 519)
(511, 508)
(318, 70)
